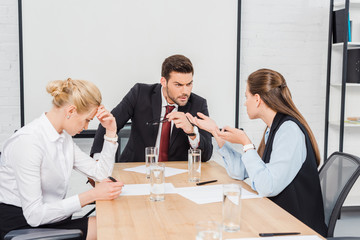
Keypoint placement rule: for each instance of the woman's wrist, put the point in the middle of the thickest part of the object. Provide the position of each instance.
(87, 197)
(247, 141)
(219, 140)
(110, 133)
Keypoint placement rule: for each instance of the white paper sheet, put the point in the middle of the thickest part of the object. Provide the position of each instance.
(143, 189)
(209, 194)
(169, 171)
(302, 237)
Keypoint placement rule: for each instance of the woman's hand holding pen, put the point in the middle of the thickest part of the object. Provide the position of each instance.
(107, 120)
(108, 190)
(105, 190)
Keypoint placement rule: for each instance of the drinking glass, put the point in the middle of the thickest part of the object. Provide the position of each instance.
(157, 182)
(208, 230)
(151, 156)
(231, 207)
(194, 164)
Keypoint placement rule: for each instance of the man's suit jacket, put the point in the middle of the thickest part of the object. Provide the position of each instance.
(143, 104)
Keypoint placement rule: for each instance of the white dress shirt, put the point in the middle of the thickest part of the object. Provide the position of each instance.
(35, 169)
(193, 143)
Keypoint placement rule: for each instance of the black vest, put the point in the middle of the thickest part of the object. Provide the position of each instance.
(302, 197)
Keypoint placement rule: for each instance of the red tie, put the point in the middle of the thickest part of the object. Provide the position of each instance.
(165, 137)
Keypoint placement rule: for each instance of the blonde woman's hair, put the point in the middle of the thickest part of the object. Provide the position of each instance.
(84, 95)
(273, 90)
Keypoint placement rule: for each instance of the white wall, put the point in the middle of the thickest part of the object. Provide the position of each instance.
(291, 38)
(288, 36)
(126, 42)
(9, 70)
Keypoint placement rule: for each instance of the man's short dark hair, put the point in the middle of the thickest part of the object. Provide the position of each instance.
(176, 63)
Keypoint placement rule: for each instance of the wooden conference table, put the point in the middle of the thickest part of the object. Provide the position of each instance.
(136, 217)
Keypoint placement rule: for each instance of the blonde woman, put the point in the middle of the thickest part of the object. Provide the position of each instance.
(284, 168)
(37, 161)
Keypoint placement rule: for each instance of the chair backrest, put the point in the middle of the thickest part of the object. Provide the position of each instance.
(123, 135)
(44, 234)
(337, 176)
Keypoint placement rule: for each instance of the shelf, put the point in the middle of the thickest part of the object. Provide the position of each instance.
(347, 125)
(347, 84)
(351, 45)
(336, 100)
(341, 3)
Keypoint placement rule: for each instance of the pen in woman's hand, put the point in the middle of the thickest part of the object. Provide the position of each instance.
(112, 179)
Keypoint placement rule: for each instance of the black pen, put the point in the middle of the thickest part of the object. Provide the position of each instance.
(202, 183)
(277, 234)
(238, 128)
(112, 179)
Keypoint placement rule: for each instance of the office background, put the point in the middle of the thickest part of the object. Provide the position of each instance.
(287, 36)
(116, 43)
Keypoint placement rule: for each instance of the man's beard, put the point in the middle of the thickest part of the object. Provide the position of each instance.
(177, 102)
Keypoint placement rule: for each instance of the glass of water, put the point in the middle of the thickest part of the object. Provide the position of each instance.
(194, 164)
(157, 182)
(208, 230)
(151, 156)
(231, 207)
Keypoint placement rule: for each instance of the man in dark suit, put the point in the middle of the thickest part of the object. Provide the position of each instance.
(147, 103)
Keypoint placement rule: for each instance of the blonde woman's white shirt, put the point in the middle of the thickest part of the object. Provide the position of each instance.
(35, 169)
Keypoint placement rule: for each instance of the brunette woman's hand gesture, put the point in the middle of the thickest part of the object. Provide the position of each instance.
(234, 135)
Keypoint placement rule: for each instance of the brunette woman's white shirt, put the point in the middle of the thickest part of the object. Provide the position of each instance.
(35, 169)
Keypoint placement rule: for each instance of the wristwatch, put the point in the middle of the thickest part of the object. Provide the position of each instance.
(248, 146)
(194, 133)
(110, 139)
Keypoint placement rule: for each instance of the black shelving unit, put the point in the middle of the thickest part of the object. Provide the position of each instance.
(344, 42)
(343, 81)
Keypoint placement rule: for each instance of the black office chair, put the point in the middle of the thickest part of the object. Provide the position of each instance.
(337, 176)
(43, 234)
(124, 135)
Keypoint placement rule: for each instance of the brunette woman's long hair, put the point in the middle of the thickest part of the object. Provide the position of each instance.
(272, 89)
